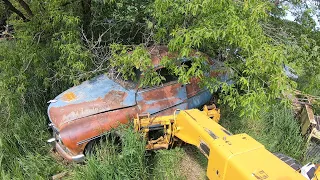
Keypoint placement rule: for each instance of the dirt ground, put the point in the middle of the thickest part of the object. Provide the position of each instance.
(193, 165)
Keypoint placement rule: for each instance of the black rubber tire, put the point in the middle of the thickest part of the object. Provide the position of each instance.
(289, 160)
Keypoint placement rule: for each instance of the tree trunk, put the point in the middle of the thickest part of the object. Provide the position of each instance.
(87, 16)
(15, 10)
(3, 18)
(26, 7)
(3, 23)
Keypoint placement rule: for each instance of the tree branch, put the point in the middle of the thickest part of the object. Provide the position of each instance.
(3, 19)
(26, 7)
(87, 16)
(15, 10)
(68, 2)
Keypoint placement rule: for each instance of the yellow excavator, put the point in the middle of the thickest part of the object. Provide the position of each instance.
(230, 157)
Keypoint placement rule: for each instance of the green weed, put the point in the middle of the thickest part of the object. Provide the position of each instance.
(24, 153)
(108, 163)
(132, 162)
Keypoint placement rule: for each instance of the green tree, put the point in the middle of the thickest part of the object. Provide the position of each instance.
(59, 43)
(233, 31)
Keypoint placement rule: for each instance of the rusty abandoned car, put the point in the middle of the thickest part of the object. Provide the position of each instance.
(86, 112)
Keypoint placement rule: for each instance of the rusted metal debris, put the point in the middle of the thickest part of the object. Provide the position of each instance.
(303, 108)
(299, 100)
(85, 112)
(310, 123)
(7, 33)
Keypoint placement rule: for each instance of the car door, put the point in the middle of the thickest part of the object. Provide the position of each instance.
(164, 98)
(196, 95)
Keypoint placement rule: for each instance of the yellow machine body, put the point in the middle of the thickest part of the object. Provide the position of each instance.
(317, 173)
(230, 157)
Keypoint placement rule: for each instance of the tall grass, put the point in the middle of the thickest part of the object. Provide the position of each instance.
(24, 153)
(132, 162)
(108, 163)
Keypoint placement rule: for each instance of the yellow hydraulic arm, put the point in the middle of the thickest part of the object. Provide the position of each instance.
(230, 157)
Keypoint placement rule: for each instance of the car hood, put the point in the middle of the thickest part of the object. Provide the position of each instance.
(94, 96)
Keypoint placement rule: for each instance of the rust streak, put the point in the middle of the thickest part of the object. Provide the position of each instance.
(156, 94)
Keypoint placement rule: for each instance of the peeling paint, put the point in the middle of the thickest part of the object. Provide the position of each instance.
(91, 97)
(154, 100)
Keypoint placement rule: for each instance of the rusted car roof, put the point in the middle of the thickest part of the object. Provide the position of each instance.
(157, 53)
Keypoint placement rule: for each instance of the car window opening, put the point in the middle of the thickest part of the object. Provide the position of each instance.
(132, 81)
(188, 64)
(167, 75)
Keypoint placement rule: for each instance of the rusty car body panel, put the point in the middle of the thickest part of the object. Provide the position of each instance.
(153, 100)
(98, 95)
(87, 111)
